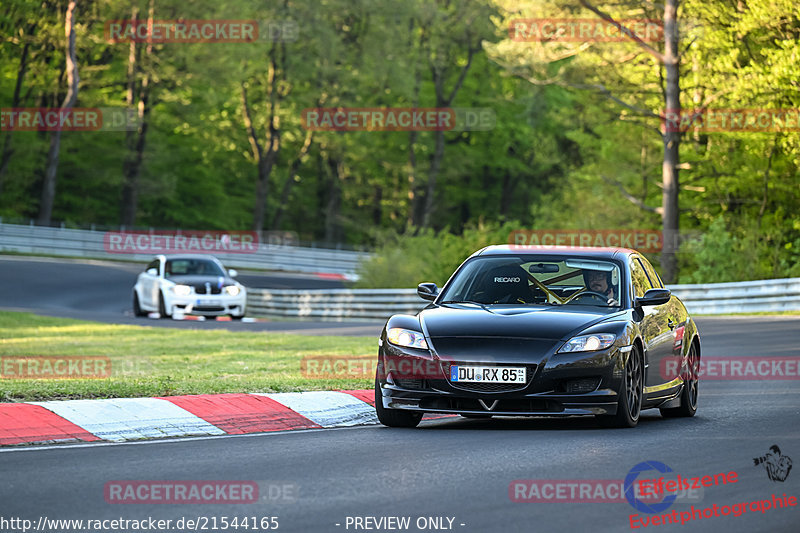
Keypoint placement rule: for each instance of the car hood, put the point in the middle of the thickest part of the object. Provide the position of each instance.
(534, 322)
(201, 280)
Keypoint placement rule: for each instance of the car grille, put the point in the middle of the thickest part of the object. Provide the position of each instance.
(471, 404)
(488, 387)
(208, 309)
(201, 289)
(410, 383)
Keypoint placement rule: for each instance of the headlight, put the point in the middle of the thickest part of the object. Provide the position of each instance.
(407, 338)
(182, 290)
(588, 343)
(233, 290)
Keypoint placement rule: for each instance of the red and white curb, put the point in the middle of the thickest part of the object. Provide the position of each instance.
(122, 419)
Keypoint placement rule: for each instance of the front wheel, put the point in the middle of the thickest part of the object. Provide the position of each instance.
(162, 308)
(629, 405)
(137, 309)
(394, 418)
(688, 405)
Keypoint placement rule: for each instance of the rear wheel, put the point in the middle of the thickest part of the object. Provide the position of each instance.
(137, 309)
(688, 405)
(629, 405)
(394, 418)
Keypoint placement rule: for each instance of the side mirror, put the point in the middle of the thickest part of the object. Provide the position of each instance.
(232, 272)
(427, 291)
(654, 297)
(152, 271)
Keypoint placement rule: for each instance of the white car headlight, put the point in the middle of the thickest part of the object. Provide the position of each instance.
(407, 338)
(233, 290)
(182, 290)
(588, 343)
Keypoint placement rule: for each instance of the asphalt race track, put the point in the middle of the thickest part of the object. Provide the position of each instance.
(101, 291)
(451, 468)
(458, 469)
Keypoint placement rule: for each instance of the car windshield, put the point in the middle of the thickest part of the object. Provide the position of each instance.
(192, 267)
(524, 280)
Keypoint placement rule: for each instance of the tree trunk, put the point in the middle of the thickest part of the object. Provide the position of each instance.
(136, 140)
(333, 231)
(671, 186)
(5, 155)
(49, 184)
(267, 160)
(430, 190)
(438, 152)
(414, 205)
(287, 186)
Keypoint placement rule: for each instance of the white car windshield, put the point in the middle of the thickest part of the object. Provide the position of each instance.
(192, 267)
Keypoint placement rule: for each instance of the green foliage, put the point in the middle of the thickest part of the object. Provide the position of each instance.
(741, 254)
(559, 156)
(405, 261)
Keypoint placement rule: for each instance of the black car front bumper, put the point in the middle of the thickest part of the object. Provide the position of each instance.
(566, 384)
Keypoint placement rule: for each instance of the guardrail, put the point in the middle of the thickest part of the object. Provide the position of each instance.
(88, 244)
(767, 295)
(333, 304)
(380, 304)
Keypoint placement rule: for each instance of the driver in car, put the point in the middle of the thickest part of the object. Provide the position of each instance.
(600, 282)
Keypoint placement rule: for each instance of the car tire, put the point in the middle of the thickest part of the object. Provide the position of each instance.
(688, 396)
(137, 309)
(629, 405)
(394, 418)
(162, 307)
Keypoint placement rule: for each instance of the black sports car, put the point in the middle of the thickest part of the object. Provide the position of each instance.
(529, 330)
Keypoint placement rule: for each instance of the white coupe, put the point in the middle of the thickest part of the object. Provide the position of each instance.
(188, 284)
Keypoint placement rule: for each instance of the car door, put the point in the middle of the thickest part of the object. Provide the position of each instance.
(149, 284)
(676, 314)
(655, 331)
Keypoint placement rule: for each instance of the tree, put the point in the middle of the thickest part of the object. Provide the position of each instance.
(578, 66)
(51, 169)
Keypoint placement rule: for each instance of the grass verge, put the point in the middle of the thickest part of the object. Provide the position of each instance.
(149, 361)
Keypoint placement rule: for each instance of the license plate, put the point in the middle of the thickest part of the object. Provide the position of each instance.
(206, 302)
(487, 374)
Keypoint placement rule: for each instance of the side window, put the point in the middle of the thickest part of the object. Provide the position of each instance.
(153, 264)
(640, 282)
(655, 281)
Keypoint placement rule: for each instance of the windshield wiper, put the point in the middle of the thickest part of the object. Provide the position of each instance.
(482, 306)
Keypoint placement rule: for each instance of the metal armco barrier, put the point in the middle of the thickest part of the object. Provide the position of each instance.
(89, 244)
(333, 304)
(368, 304)
(768, 295)
(380, 304)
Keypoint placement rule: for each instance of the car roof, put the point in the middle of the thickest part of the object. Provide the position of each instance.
(583, 251)
(191, 256)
